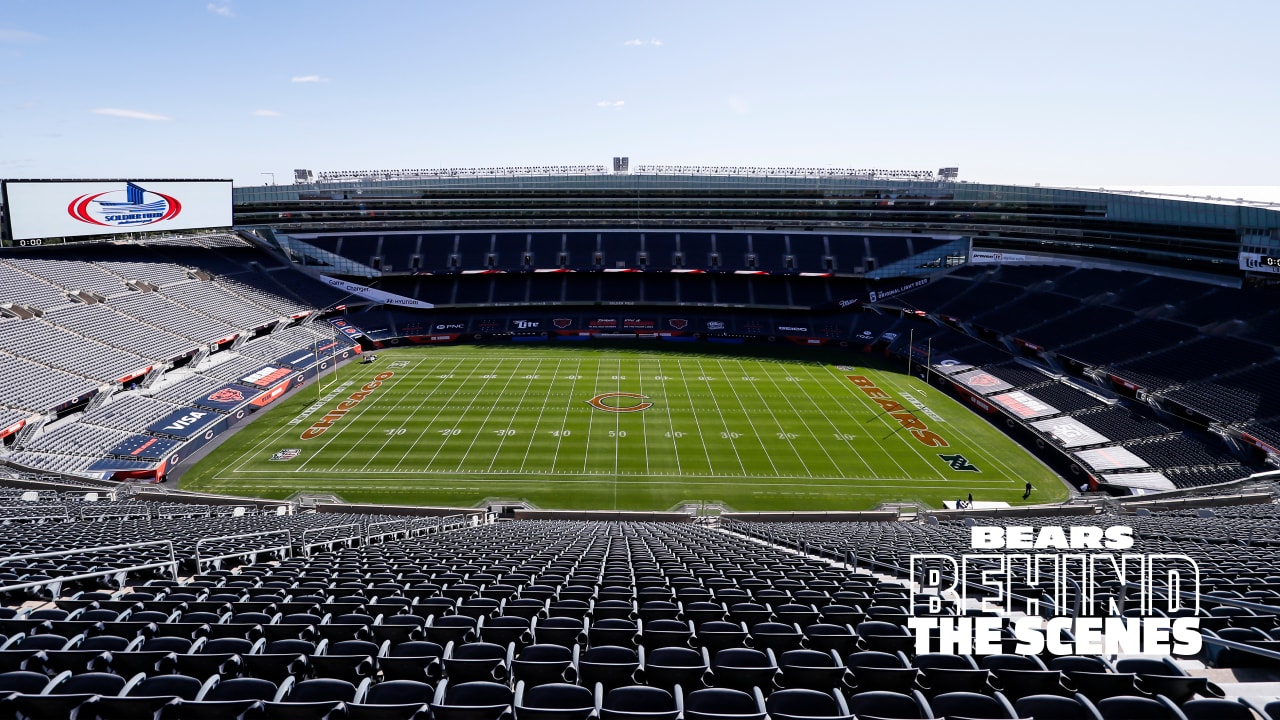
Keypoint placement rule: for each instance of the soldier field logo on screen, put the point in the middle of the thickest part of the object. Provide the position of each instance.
(1069, 597)
(130, 206)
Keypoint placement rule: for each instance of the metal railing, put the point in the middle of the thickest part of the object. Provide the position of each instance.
(120, 575)
(351, 540)
(285, 549)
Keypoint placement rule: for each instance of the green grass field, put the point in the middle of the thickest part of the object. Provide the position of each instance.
(457, 425)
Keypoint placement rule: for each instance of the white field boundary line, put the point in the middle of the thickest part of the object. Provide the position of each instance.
(795, 413)
(478, 481)
(783, 432)
(542, 409)
(896, 430)
(345, 473)
(503, 438)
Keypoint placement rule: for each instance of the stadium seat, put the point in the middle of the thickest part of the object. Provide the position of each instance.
(797, 704)
(393, 700)
(723, 704)
(553, 701)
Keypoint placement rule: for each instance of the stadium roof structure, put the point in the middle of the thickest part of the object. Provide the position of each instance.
(1199, 236)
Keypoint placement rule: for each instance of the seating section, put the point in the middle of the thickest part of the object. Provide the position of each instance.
(398, 255)
(134, 332)
(38, 340)
(92, 333)
(1199, 351)
(1120, 423)
(1062, 396)
(29, 386)
(560, 619)
(163, 312)
(72, 276)
(18, 287)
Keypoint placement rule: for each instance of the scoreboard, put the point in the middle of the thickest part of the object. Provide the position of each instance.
(40, 211)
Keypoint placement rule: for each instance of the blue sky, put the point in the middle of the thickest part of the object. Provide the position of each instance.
(1070, 93)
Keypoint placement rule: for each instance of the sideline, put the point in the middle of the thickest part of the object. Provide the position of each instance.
(173, 480)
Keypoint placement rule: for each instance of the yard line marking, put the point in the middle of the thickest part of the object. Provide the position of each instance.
(390, 408)
(586, 451)
(577, 374)
(462, 415)
(821, 445)
(728, 432)
(760, 438)
(768, 406)
(908, 440)
(445, 405)
(698, 424)
(542, 408)
(351, 419)
(644, 430)
(503, 438)
(843, 408)
(671, 424)
(463, 460)
(838, 430)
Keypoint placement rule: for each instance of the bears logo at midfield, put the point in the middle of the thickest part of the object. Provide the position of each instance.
(597, 402)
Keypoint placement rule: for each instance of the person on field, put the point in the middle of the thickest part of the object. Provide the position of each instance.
(1027, 493)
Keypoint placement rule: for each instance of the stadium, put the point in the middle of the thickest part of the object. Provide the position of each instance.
(636, 442)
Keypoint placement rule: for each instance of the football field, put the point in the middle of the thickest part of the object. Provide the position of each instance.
(621, 429)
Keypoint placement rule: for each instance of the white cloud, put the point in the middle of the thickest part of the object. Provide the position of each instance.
(267, 113)
(10, 35)
(640, 43)
(131, 114)
(308, 79)
(615, 104)
(221, 9)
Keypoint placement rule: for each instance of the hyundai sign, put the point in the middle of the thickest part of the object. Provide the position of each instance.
(71, 208)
